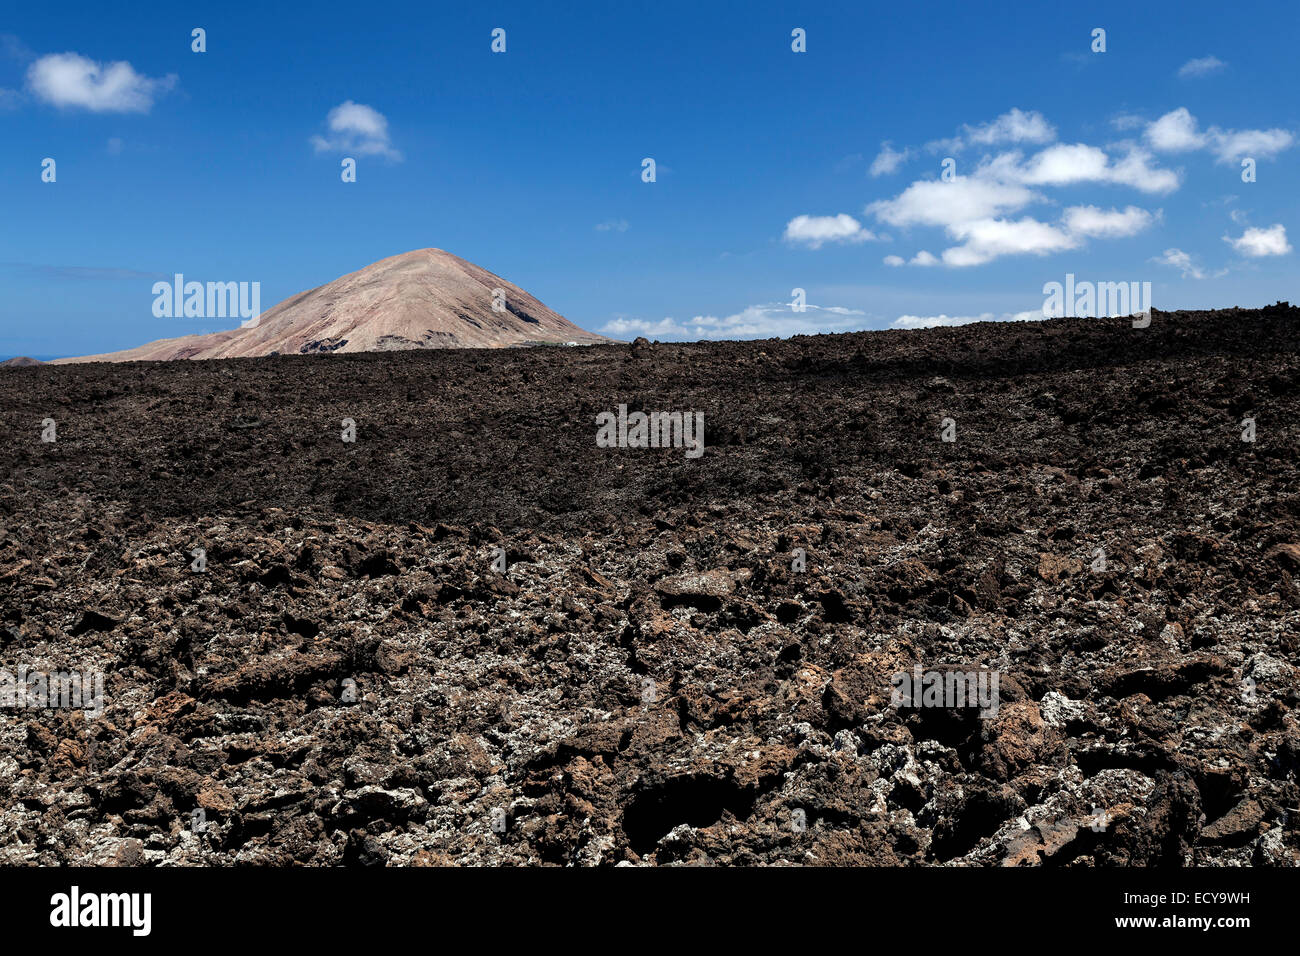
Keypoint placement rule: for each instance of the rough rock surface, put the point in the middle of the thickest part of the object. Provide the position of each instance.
(685, 660)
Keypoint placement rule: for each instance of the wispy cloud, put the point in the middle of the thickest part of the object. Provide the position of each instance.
(356, 129)
(612, 225)
(1183, 262)
(93, 273)
(775, 319)
(14, 49)
(71, 81)
(1014, 126)
(1200, 67)
(848, 162)
(922, 258)
(888, 160)
(937, 321)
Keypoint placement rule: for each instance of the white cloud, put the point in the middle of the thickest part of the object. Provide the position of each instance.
(1177, 131)
(1184, 263)
(922, 258)
(626, 326)
(1065, 165)
(1233, 145)
(932, 202)
(972, 209)
(1015, 126)
(1001, 185)
(983, 240)
(71, 80)
(935, 321)
(815, 231)
(1258, 243)
(612, 225)
(1200, 67)
(1062, 165)
(952, 144)
(358, 129)
(983, 211)
(1135, 170)
(775, 319)
(1106, 224)
(888, 160)
(987, 239)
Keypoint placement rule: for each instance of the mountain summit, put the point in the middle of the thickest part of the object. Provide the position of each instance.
(426, 299)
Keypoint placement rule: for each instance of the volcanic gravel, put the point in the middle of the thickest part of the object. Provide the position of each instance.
(657, 677)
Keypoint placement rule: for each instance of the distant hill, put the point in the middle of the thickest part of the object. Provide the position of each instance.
(426, 299)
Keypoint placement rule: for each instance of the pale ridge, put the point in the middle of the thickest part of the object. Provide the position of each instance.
(423, 299)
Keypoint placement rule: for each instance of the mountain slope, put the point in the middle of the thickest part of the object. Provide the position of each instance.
(418, 300)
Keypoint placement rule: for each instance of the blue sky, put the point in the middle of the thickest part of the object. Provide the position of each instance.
(772, 171)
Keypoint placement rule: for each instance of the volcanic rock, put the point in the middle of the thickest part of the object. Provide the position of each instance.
(685, 660)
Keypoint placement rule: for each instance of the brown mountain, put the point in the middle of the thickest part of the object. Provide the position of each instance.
(426, 299)
(20, 361)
